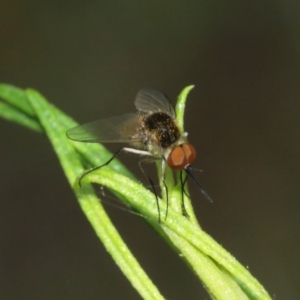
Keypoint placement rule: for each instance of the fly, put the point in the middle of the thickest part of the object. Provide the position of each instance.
(152, 132)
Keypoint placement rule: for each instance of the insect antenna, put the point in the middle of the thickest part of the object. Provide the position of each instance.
(189, 173)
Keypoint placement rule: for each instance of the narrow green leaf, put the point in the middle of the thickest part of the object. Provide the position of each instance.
(17, 98)
(89, 202)
(180, 106)
(221, 274)
(218, 283)
(144, 201)
(11, 114)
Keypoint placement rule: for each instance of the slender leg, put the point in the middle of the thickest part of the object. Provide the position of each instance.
(167, 197)
(182, 183)
(151, 183)
(126, 149)
(163, 178)
(98, 167)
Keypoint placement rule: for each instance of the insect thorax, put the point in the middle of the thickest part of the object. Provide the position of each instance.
(159, 130)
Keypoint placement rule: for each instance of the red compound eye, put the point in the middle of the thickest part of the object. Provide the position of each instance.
(181, 156)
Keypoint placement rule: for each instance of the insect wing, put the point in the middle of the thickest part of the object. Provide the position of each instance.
(117, 129)
(150, 100)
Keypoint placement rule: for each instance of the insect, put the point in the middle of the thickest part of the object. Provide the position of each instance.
(152, 133)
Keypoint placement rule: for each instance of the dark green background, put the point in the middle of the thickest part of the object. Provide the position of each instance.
(90, 58)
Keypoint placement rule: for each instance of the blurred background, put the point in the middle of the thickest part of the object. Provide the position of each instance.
(90, 58)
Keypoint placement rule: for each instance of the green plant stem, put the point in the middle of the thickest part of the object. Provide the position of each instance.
(88, 201)
(195, 241)
(220, 273)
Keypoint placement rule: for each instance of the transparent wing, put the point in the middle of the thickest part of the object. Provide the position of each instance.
(150, 100)
(117, 129)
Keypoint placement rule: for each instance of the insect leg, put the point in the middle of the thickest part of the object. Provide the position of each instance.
(126, 149)
(98, 167)
(163, 175)
(182, 183)
(149, 160)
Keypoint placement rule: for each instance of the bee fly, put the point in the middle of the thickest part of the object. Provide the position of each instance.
(152, 132)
